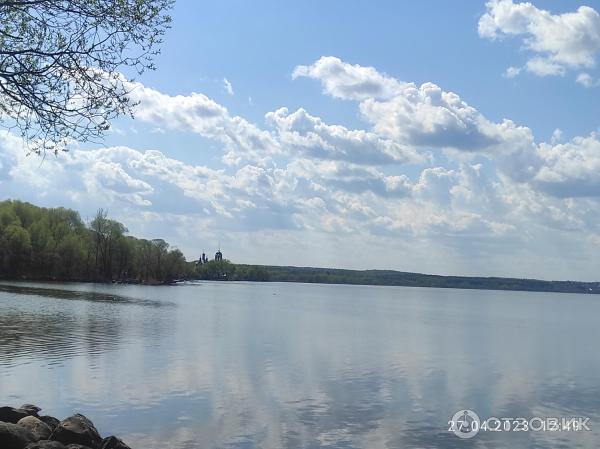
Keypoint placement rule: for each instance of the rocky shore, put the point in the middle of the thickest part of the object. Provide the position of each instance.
(25, 428)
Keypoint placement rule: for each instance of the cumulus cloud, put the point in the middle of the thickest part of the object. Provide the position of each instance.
(426, 117)
(571, 169)
(523, 185)
(302, 133)
(200, 114)
(346, 81)
(465, 200)
(544, 67)
(558, 42)
(339, 175)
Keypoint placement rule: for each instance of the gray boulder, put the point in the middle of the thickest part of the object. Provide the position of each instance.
(13, 436)
(77, 446)
(50, 421)
(30, 409)
(11, 414)
(40, 430)
(113, 442)
(46, 444)
(77, 429)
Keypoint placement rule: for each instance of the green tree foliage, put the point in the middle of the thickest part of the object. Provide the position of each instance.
(216, 270)
(251, 273)
(39, 243)
(224, 270)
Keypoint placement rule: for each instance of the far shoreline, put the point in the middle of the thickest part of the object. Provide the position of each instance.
(390, 278)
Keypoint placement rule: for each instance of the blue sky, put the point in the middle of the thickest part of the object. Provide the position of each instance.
(363, 169)
(256, 45)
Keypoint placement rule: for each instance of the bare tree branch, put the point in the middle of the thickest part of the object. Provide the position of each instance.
(61, 63)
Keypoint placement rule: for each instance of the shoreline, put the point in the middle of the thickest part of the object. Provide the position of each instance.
(389, 278)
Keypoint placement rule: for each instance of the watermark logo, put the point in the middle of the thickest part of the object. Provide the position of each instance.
(466, 424)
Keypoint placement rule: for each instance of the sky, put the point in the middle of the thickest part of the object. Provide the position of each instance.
(441, 137)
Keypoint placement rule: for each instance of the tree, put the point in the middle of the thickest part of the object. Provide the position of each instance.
(108, 234)
(175, 265)
(217, 270)
(72, 257)
(40, 243)
(18, 245)
(60, 63)
(160, 250)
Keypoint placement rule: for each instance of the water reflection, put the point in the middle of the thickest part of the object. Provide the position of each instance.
(35, 327)
(81, 295)
(302, 366)
(52, 336)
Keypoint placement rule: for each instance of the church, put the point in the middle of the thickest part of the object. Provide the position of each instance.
(203, 259)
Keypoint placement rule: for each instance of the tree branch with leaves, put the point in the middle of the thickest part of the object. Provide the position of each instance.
(61, 64)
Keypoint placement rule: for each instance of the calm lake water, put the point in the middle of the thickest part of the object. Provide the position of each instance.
(273, 365)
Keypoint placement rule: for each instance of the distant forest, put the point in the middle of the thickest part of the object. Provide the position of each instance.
(406, 279)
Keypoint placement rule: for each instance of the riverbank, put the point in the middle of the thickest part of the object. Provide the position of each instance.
(408, 279)
(314, 275)
(25, 428)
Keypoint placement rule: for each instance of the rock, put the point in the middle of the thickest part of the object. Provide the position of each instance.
(51, 421)
(77, 446)
(13, 436)
(40, 430)
(12, 415)
(77, 429)
(30, 409)
(113, 442)
(46, 444)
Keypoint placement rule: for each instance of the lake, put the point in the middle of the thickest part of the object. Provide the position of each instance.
(275, 365)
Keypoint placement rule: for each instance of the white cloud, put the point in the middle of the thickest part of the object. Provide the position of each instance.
(586, 80)
(544, 67)
(228, 87)
(345, 81)
(353, 178)
(524, 191)
(199, 114)
(557, 41)
(512, 72)
(244, 141)
(557, 136)
(300, 132)
(430, 117)
(426, 117)
(571, 169)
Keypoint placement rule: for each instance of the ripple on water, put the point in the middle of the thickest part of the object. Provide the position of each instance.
(52, 325)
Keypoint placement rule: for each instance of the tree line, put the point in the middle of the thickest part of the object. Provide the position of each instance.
(224, 270)
(56, 244)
